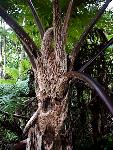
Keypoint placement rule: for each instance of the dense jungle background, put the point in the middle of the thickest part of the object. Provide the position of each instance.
(92, 123)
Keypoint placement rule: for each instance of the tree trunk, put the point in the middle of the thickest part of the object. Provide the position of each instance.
(52, 100)
(51, 94)
(47, 127)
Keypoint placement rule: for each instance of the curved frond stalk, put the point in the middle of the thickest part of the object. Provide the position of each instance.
(85, 33)
(26, 48)
(92, 84)
(31, 121)
(66, 20)
(31, 48)
(36, 18)
(110, 42)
